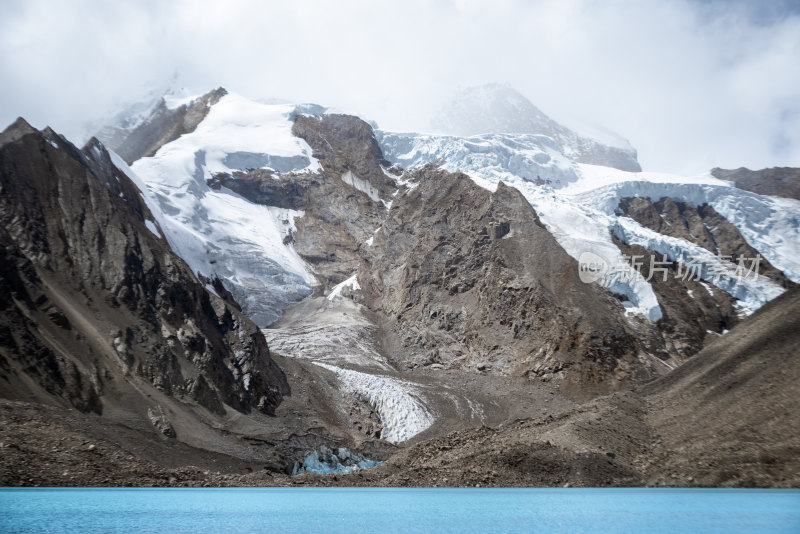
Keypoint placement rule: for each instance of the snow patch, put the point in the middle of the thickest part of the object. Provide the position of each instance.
(361, 185)
(351, 282)
(152, 227)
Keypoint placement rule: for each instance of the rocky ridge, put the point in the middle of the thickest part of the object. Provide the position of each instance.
(777, 181)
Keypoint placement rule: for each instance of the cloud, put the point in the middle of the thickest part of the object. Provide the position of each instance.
(692, 84)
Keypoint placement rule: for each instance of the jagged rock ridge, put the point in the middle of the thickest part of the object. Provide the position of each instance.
(777, 181)
(142, 136)
(96, 304)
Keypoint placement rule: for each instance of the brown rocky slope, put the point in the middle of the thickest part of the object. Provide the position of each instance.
(466, 278)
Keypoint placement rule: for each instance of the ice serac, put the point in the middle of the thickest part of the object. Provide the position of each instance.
(770, 225)
(98, 313)
(499, 157)
(495, 108)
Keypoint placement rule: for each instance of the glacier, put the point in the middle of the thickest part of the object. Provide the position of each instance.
(402, 412)
(577, 203)
(218, 232)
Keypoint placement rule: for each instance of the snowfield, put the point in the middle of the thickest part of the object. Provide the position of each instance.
(217, 232)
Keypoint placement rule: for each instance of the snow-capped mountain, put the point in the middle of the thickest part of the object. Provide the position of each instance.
(249, 246)
(270, 201)
(496, 108)
(408, 285)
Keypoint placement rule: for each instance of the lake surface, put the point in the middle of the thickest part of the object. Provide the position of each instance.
(355, 510)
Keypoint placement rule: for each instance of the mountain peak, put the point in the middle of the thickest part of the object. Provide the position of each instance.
(500, 109)
(492, 108)
(16, 130)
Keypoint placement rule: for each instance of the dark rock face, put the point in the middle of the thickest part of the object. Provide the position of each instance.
(163, 125)
(466, 278)
(95, 307)
(292, 191)
(777, 181)
(345, 143)
(703, 226)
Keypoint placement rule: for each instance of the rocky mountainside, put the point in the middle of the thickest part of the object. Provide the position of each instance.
(97, 305)
(470, 279)
(99, 315)
(777, 181)
(457, 306)
(726, 418)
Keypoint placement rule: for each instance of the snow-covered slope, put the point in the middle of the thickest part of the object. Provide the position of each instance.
(398, 403)
(217, 232)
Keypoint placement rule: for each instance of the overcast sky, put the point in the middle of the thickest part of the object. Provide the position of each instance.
(692, 84)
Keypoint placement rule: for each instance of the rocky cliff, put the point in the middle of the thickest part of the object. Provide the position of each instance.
(97, 308)
(777, 181)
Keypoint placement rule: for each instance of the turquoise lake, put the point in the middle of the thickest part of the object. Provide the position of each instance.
(356, 510)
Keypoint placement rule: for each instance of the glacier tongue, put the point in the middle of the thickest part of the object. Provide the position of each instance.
(217, 232)
(402, 414)
(334, 333)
